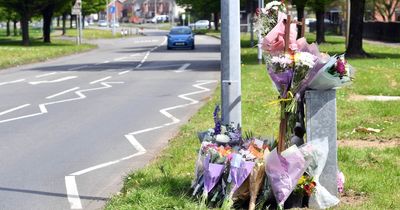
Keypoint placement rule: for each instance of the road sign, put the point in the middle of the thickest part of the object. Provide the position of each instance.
(112, 9)
(75, 11)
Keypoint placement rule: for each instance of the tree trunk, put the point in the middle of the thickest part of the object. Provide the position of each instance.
(58, 21)
(25, 29)
(320, 14)
(300, 16)
(64, 20)
(216, 20)
(47, 19)
(71, 19)
(83, 21)
(8, 28)
(354, 48)
(15, 28)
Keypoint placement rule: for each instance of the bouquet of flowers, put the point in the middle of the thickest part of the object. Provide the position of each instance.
(295, 70)
(267, 17)
(305, 186)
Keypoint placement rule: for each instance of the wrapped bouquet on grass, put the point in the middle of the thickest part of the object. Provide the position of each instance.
(283, 171)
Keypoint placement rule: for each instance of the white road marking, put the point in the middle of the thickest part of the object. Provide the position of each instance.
(146, 41)
(45, 75)
(145, 57)
(11, 82)
(100, 80)
(43, 109)
(136, 54)
(183, 68)
(63, 92)
(122, 58)
(72, 192)
(106, 62)
(14, 109)
(78, 67)
(53, 81)
(124, 72)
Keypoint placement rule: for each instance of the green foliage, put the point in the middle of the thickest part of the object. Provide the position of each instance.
(201, 9)
(93, 6)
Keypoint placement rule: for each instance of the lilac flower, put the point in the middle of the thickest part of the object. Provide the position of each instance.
(217, 121)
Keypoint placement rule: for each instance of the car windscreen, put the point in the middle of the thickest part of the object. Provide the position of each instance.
(180, 31)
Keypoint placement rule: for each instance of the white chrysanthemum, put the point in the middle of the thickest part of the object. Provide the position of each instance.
(304, 59)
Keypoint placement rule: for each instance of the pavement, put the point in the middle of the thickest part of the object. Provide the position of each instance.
(73, 127)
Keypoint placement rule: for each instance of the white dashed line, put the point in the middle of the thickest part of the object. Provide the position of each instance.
(45, 75)
(53, 81)
(183, 68)
(119, 59)
(124, 72)
(100, 80)
(63, 92)
(14, 109)
(12, 82)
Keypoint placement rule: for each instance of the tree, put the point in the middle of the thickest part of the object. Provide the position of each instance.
(319, 8)
(386, 8)
(25, 9)
(92, 7)
(354, 48)
(203, 9)
(47, 12)
(300, 5)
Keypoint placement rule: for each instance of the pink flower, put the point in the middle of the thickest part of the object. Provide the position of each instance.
(340, 67)
(340, 182)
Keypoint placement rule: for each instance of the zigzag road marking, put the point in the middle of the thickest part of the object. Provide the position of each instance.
(70, 180)
(43, 109)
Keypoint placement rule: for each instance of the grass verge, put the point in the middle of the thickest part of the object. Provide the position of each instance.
(89, 33)
(13, 54)
(371, 173)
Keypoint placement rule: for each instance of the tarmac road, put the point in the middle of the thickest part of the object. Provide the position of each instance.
(72, 127)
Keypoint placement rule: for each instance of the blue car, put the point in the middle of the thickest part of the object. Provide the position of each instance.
(180, 37)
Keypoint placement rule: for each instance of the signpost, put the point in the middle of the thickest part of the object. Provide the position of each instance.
(230, 62)
(77, 10)
(112, 11)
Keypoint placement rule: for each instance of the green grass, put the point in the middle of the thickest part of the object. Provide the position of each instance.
(13, 54)
(95, 33)
(372, 173)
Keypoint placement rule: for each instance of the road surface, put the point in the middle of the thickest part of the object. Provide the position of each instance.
(72, 127)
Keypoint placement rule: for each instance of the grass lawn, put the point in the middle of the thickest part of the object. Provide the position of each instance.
(371, 173)
(13, 54)
(89, 33)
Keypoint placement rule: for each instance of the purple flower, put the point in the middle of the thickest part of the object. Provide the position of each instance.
(340, 66)
(217, 121)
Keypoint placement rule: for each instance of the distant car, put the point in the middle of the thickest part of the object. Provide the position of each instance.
(116, 24)
(102, 23)
(200, 24)
(181, 37)
(160, 19)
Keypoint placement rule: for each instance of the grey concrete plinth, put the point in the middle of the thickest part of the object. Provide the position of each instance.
(321, 123)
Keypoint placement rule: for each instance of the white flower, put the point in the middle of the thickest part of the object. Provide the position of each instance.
(221, 138)
(304, 59)
(272, 4)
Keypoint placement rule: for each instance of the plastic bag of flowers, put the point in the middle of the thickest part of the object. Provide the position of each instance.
(283, 171)
(239, 170)
(316, 153)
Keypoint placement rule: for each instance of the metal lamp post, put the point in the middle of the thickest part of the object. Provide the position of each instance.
(230, 62)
